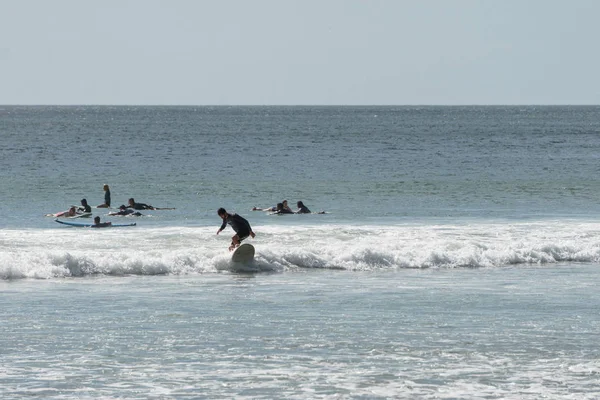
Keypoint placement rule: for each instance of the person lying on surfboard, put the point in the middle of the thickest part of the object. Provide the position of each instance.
(302, 209)
(239, 224)
(284, 204)
(123, 211)
(274, 208)
(142, 206)
(286, 208)
(281, 209)
(71, 212)
(139, 206)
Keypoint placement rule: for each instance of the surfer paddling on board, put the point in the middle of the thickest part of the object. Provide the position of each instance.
(142, 206)
(280, 206)
(239, 224)
(281, 209)
(302, 209)
(139, 206)
(123, 210)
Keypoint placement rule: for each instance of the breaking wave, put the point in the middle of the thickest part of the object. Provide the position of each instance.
(74, 252)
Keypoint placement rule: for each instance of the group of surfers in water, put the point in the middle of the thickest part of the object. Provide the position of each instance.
(129, 209)
(239, 224)
(284, 208)
(242, 227)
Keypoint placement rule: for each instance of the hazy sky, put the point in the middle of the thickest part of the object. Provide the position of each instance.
(238, 52)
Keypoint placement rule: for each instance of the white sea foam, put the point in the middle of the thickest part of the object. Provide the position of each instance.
(81, 252)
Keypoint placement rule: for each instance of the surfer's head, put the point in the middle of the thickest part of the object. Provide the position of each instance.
(96, 220)
(83, 202)
(106, 187)
(222, 212)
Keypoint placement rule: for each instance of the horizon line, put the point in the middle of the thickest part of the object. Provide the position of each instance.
(304, 105)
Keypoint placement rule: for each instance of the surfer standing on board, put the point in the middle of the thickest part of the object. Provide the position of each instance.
(239, 224)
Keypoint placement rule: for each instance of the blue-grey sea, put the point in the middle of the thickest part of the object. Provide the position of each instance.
(458, 256)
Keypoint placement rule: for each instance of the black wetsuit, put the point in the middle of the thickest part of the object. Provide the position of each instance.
(303, 210)
(141, 206)
(239, 224)
(86, 209)
(128, 211)
(107, 198)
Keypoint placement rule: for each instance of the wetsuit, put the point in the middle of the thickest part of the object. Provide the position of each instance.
(239, 224)
(102, 225)
(86, 209)
(141, 206)
(303, 210)
(107, 198)
(128, 211)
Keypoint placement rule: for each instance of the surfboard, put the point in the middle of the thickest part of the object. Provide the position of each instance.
(82, 215)
(65, 214)
(244, 253)
(57, 215)
(102, 225)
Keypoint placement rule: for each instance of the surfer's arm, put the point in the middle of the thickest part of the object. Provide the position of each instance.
(223, 225)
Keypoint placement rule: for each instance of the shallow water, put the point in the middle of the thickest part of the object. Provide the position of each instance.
(488, 333)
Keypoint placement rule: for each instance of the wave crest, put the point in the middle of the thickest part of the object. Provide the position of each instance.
(183, 251)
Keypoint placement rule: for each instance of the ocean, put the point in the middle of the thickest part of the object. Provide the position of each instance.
(457, 257)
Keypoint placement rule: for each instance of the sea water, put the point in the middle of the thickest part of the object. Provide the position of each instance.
(458, 256)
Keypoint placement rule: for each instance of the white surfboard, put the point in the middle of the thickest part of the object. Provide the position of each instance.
(82, 215)
(244, 253)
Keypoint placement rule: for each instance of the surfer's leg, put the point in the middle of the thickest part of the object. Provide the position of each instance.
(235, 242)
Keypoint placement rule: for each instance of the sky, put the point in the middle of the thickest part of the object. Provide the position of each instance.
(299, 52)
